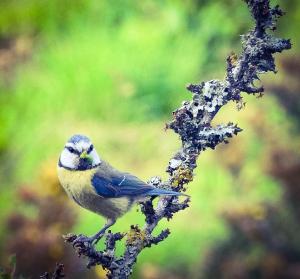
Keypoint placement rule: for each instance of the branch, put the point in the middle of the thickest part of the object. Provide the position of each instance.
(57, 274)
(192, 122)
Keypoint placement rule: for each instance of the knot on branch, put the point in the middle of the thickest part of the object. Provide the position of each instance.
(180, 174)
(156, 239)
(173, 205)
(210, 137)
(136, 237)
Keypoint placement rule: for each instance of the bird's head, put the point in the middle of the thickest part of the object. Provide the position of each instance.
(79, 154)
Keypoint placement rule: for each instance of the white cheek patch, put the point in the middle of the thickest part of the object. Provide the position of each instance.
(69, 160)
(95, 156)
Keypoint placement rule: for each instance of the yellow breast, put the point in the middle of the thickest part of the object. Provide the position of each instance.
(77, 185)
(75, 182)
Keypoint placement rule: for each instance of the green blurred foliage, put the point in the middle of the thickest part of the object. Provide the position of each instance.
(115, 70)
(9, 273)
(112, 65)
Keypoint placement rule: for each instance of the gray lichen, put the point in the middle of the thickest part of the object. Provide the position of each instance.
(192, 122)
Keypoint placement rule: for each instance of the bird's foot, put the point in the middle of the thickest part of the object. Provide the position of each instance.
(82, 240)
(79, 242)
(83, 244)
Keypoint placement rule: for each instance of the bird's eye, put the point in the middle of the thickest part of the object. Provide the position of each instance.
(90, 148)
(71, 149)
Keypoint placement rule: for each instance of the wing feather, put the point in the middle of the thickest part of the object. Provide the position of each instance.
(110, 183)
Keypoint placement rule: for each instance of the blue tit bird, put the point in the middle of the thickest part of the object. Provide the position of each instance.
(95, 185)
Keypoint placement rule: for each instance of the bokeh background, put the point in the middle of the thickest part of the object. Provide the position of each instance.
(115, 70)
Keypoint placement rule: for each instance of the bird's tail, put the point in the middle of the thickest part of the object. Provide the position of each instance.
(163, 192)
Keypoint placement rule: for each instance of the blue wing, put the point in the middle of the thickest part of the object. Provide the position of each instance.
(110, 183)
(119, 186)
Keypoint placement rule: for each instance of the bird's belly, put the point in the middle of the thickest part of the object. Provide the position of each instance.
(78, 187)
(110, 208)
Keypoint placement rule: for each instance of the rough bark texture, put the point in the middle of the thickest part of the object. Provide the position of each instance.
(192, 122)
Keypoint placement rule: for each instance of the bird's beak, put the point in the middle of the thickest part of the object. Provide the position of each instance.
(85, 156)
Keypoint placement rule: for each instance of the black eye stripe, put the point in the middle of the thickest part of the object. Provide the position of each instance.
(72, 150)
(90, 148)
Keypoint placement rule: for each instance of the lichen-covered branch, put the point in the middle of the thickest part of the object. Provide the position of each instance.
(192, 122)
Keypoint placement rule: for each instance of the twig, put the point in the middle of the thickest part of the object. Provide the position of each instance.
(192, 122)
(57, 274)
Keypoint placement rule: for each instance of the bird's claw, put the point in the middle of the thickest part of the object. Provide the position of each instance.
(82, 240)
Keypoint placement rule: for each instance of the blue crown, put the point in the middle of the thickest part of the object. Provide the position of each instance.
(78, 138)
